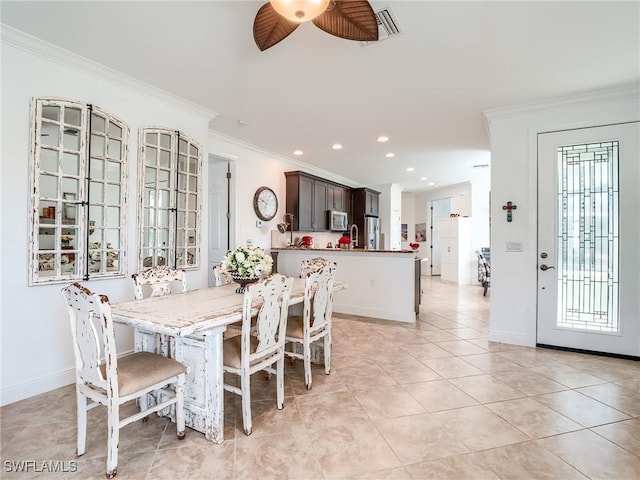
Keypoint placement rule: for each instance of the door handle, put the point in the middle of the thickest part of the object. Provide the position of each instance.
(545, 267)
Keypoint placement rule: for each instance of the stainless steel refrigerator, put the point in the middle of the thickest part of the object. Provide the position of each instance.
(372, 233)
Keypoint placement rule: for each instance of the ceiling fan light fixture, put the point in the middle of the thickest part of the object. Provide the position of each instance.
(299, 11)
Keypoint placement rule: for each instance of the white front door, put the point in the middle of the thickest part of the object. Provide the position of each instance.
(589, 239)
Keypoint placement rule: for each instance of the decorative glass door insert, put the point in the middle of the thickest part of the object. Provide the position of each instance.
(588, 236)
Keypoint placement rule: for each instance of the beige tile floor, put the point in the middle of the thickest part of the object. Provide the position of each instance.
(432, 401)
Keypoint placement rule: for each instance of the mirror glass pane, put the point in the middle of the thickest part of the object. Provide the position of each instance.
(97, 168)
(51, 113)
(114, 170)
(151, 139)
(150, 156)
(98, 123)
(115, 149)
(70, 212)
(113, 216)
(150, 197)
(182, 146)
(50, 134)
(96, 192)
(97, 145)
(149, 238)
(48, 160)
(191, 220)
(193, 150)
(48, 186)
(149, 177)
(46, 238)
(163, 218)
(193, 202)
(46, 264)
(115, 130)
(191, 256)
(182, 163)
(193, 165)
(182, 201)
(70, 163)
(163, 237)
(113, 238)
(150, 217)
(182, 181)
(165, 140)
(71, 139)
(163, 179)
(193, 183)
(163, 198)
(165, 158)
(72, 116)
(70, 186)
(113, 194)
(181, 219)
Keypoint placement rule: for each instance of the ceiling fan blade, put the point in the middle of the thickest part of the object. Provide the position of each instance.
(270, 28)
(350, 19)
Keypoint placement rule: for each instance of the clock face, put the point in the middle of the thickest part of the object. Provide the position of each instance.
(265, 203)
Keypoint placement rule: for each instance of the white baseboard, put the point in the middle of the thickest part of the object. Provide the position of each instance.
(405, 317)
(40, 385)
(509, 338)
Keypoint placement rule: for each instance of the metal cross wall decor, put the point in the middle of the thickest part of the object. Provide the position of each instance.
(509, 207)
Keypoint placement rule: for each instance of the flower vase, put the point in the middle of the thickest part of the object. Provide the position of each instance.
(243, 281)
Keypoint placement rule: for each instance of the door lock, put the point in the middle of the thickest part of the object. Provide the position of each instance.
(545, 267)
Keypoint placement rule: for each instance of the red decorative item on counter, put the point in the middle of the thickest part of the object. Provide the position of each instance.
(344, 242)
(414, 246)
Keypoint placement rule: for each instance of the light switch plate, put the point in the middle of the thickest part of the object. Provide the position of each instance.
(513, 246)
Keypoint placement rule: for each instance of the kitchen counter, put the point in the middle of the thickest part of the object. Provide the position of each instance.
(340, 250)
(382, 283)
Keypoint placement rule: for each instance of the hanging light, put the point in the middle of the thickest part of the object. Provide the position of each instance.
(299, 10)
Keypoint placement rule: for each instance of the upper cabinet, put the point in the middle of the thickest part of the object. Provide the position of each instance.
(365, 202)
(309, 198)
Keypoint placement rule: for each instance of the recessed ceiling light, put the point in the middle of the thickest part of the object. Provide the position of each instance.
(383, 139)
(297, 152)
(431, 184)
(410, 169)
(337, 146)
(423, 178)
(390, 155)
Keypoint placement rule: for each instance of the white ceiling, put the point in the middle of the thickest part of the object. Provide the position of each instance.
(425, 89)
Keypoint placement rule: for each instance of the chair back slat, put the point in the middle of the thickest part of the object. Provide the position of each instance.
(159, 279)
(93, 335)
(314, 264)
(318, 298)
(273, 296)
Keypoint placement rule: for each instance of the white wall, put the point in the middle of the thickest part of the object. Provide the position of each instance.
(37, 352)
(36, 349)
(513, 177)
(390, 207)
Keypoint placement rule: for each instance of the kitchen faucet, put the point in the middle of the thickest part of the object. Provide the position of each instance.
(352, 237)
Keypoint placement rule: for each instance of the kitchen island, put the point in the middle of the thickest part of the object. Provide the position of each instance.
(382, 283)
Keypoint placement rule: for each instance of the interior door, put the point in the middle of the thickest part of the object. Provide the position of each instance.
(440, 209)
(218, 213)
(589, 239)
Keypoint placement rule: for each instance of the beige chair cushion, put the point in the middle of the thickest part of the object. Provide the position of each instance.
(294, 326)
(142, 370)
(233, 350)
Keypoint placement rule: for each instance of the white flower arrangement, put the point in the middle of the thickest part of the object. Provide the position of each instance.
(247, 262)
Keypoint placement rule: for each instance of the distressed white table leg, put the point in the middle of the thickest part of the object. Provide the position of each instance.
(214, 427)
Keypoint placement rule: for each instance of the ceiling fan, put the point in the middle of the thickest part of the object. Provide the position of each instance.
(349, 19)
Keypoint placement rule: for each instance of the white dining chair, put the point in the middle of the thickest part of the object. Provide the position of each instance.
(220, 277)
(314, 264)
(315, 322)
(104, 379)
(160, 280)
(262, 346)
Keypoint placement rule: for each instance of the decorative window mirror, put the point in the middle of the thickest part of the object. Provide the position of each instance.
(169, 209)
(78, 179)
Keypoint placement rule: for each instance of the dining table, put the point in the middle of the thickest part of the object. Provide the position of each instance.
(190, 327)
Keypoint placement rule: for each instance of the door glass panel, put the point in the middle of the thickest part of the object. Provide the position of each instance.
(97, 123)
(96, 192)
(114, 171)
(165, 158)
(51, 112)
(97, 168)
(97, 145)
(588, 237)
(72, 116)
(115, 147)
(50, 134)
(48, 160)
(48, 186)
(70, 185)
(71, 139)
(71, 164)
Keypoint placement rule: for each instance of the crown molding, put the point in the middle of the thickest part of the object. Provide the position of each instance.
(311, 169)
(626, 92)
(34, 46)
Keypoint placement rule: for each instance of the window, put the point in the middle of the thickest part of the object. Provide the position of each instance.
(78, 179)
(170, 169)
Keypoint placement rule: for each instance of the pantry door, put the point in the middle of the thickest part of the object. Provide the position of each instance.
(589, 239)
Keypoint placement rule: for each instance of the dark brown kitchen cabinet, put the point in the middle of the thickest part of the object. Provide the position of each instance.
(307, 201)
(365, 204)
(336, 198)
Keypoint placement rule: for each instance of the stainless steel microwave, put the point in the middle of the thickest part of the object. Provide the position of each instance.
(338, 221)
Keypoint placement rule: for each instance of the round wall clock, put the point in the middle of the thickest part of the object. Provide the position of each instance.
(265, 203)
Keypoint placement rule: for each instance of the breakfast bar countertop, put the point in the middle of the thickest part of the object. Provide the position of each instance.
(338, 250)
